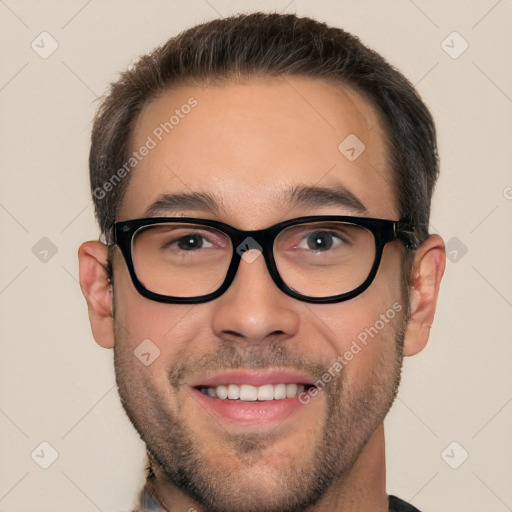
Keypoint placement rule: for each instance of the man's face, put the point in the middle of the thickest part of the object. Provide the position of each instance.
(248, 144)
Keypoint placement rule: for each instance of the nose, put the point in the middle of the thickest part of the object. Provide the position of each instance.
(253, 309)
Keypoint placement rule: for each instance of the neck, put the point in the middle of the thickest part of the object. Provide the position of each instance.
(363, 488)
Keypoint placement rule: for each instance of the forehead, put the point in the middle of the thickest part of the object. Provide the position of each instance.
(247, 142)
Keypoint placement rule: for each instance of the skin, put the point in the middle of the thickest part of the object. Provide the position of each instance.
(247, 141)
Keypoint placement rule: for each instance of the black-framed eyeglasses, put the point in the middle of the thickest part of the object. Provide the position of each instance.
(317, 259)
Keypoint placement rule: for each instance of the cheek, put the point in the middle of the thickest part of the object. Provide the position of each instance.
(143, 319)
(361, 333)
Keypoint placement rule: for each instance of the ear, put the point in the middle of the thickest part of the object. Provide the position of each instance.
(429, 265)
(97, 290)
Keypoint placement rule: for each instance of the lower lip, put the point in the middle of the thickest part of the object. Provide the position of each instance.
(265, 411)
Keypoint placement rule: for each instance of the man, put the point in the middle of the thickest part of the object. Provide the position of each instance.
(263, 186)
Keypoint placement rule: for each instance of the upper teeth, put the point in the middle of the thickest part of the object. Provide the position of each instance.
(250, 393)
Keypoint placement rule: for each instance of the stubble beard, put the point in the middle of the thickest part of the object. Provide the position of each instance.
(348, 423)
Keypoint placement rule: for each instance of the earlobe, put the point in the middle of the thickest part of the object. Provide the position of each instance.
(429, 266)
(97, 290)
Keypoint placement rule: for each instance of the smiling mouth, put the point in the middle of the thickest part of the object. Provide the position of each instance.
(249, 393)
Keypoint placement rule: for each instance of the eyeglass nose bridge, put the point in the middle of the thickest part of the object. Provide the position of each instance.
(249, 246)
(260, 240)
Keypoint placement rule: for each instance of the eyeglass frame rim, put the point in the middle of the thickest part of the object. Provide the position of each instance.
(383, 231)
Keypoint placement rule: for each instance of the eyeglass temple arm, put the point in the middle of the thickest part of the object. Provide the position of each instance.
(409, 234)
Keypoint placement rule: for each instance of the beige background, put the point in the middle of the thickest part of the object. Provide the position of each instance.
(57, 385)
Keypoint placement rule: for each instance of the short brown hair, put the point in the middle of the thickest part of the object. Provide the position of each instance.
(270, 44)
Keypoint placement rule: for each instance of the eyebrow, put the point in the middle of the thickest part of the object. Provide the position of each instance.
(295, 197)
(167, 203)
(318, 197)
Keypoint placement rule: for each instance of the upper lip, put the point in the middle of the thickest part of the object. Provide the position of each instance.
(255, 378)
